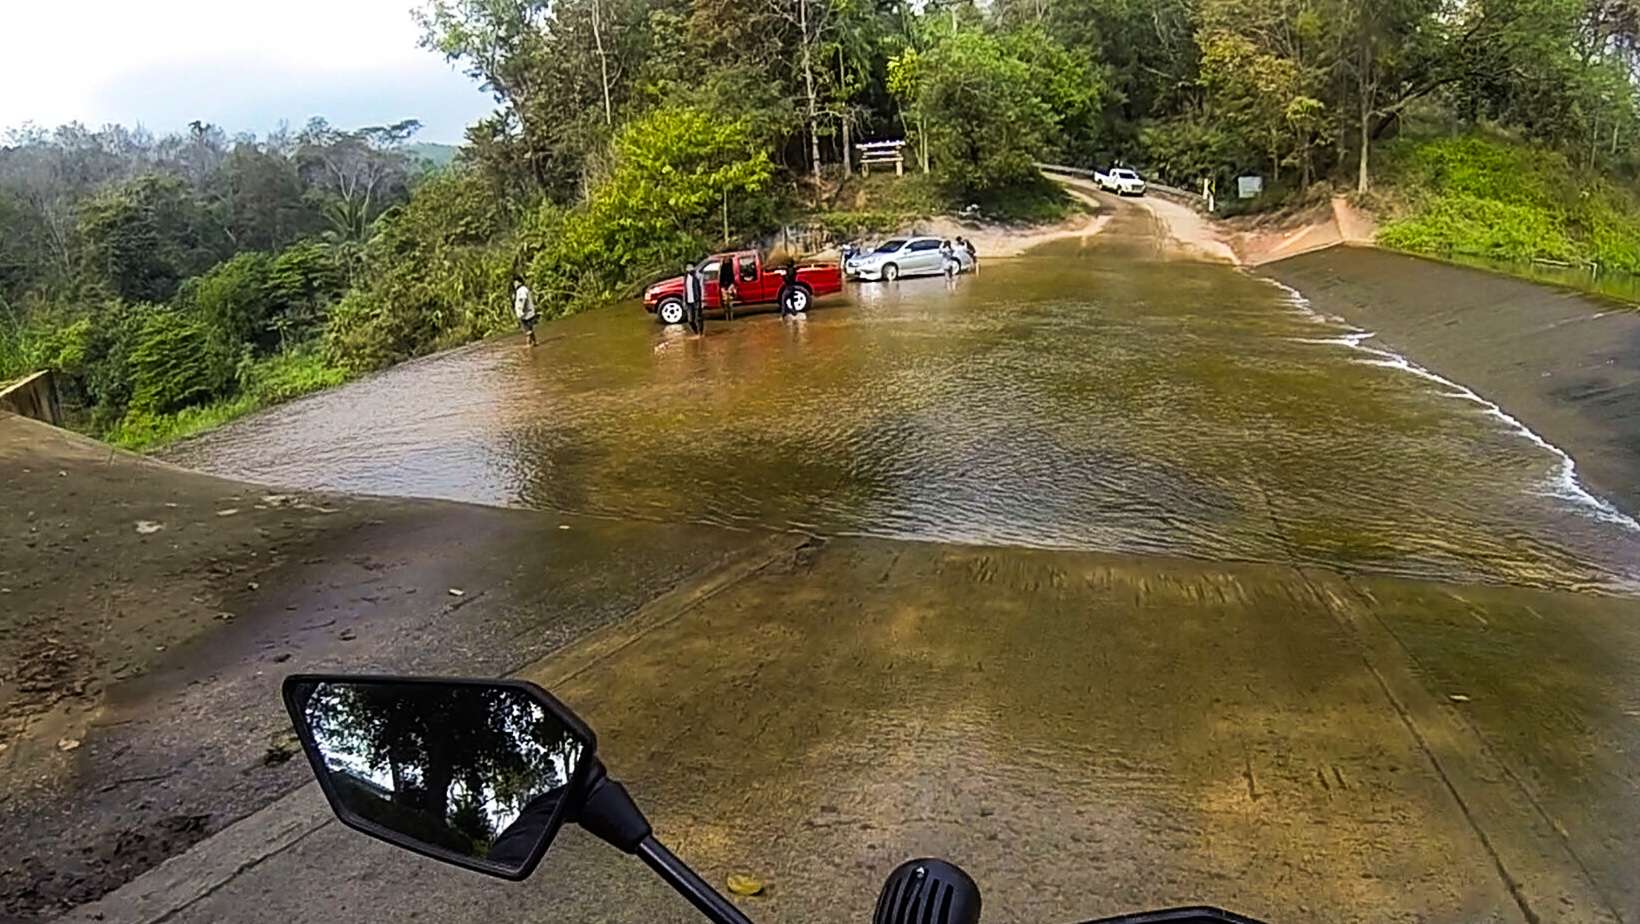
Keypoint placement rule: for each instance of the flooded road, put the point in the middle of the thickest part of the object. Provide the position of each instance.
(1096, 395)
(1157, 644)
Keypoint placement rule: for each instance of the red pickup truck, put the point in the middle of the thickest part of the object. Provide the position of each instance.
(754, 285)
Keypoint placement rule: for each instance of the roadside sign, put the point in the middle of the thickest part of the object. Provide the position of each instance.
(1248, 187)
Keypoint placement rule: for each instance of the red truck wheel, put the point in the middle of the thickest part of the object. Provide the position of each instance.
(669, 311)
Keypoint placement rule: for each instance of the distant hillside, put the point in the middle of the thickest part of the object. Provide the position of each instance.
(436, 155)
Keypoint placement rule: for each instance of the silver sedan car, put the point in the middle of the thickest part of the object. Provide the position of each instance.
(905, 256)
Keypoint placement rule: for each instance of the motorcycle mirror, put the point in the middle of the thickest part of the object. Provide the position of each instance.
(477, 773)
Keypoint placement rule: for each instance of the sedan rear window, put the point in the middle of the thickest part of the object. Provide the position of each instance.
(890, 246)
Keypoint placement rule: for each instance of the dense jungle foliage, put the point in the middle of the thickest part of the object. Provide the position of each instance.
(174, 282)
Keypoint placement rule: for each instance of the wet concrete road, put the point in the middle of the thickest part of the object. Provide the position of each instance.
(1262, 711)
(1086, 734)
(147, 615)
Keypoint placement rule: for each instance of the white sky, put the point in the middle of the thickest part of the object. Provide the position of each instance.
(239, 64)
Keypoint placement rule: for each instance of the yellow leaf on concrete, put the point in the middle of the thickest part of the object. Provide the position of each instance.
(745, 885)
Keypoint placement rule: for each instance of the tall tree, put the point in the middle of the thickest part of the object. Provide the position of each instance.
(359, 171)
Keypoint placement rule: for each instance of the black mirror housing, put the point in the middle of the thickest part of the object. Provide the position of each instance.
(480, 774)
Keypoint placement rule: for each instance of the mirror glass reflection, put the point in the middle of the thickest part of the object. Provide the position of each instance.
(474, 771)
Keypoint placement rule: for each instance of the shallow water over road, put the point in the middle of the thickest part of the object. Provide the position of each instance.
(1095, 395)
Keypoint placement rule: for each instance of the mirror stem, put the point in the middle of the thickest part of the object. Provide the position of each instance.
(609, 812)
(687, 883)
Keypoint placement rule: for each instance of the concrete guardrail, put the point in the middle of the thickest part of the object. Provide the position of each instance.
(35, 396)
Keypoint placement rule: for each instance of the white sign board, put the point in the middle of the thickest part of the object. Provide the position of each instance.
(1248, 187)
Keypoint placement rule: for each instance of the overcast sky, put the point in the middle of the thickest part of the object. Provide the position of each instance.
(238, 64)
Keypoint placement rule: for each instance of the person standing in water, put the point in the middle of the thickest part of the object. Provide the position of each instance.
(973, 256)
(694, 298)
(524, 307)
(948, 260)
(788, 273)
(726, 287)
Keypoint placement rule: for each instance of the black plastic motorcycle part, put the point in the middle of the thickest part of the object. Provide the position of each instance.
(928, 891)
(609, 812)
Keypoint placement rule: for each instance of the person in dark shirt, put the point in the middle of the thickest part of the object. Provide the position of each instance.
(788, 276)
(726, 287)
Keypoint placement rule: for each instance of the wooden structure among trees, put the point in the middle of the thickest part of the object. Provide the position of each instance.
(881, 152)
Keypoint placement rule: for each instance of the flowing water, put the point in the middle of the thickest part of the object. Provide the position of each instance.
(1094, 395)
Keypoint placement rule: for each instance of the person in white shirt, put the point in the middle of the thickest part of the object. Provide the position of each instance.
(524, 307)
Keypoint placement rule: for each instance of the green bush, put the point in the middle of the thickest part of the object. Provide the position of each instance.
(365, 332)
(263, 382)
(660, 206)
(437, 273)
(1033, 201)
(235, 299)
(1496, 198)
(175, 364)
(285, 376)
(848, 225)
(140, 430)
(304, 280)
(13, 354)
(1466, 224)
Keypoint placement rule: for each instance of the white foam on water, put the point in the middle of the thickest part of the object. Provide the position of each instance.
(1563, 484)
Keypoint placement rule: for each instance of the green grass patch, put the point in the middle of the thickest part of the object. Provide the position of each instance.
(289, 375)
(263, 383)
(1041, 201)
(141, 431)
(1491, 197)
(880, 204)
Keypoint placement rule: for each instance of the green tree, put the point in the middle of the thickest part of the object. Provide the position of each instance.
(1257, 94)
(235, 301)
(260, 200)
(984, 122)
(358, 173)
(175, 362)
(674, 169)
(144, 237)
(436, 272)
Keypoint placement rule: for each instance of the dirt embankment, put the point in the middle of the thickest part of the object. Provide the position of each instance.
(1261, 239)
(148, 614)
(1000, 240)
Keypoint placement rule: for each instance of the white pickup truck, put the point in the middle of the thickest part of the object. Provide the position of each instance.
(1120, 180)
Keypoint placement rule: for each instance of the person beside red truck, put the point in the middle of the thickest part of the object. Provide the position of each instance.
(726, 287)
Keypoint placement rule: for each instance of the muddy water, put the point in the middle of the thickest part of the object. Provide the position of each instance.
(1095, 395)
